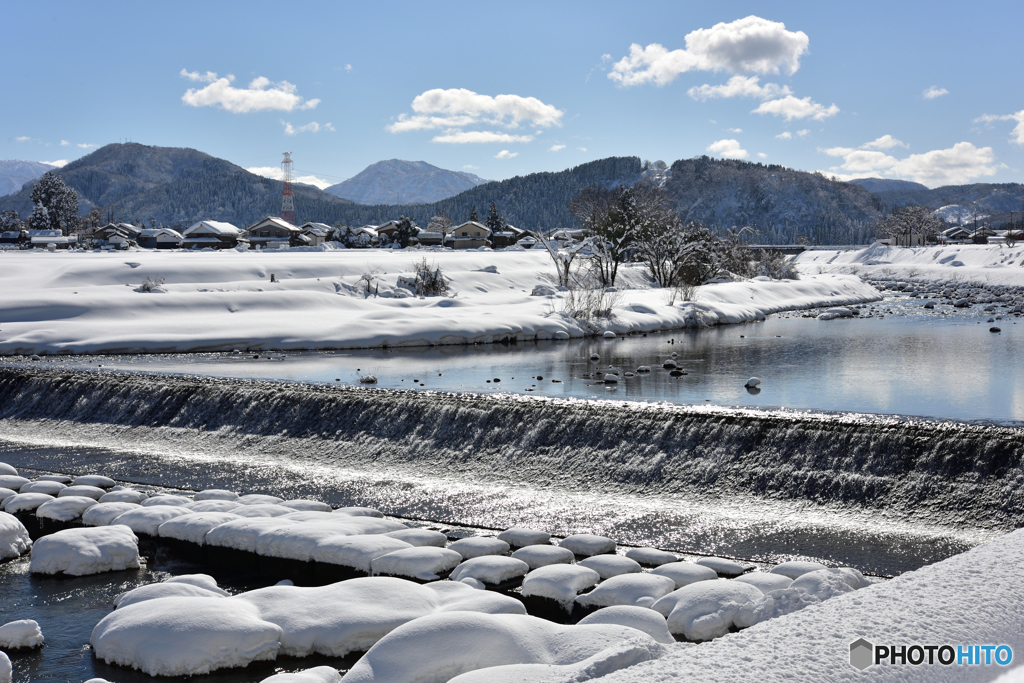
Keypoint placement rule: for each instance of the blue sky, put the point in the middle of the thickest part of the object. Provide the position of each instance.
(924, 92)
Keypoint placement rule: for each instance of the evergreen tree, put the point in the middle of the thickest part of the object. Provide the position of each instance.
(55, 205)
(406, 231)
(494, 221)
(9, 221)
(473, 215)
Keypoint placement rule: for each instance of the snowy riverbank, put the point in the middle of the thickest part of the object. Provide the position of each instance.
(88, 303)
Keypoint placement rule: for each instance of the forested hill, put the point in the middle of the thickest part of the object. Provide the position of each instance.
(15, 173)
(984, 198)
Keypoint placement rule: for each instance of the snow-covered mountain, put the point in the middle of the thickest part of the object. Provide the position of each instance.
(15, 173)
(404, 182)
(886, 184)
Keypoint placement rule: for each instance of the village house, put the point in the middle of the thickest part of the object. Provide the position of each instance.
(507, 237)
(51, 240)
(430, 238)
(117, 235)
(387, 231)
(212, 235)
(159, 238)
(469, 235)
(954, 235)
(316, 232)
(13, 239)
(276, 233)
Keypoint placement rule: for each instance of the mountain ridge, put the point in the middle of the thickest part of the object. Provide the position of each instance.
(14, 173)
(396, 181)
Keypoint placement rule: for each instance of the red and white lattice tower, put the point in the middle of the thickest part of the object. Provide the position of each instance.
(287, 198)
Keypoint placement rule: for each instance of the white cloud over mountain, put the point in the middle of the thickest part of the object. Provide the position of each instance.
(957, 165)
(275, 173)
(728, 149)
(1017, 135)
(796, 108)
(261, 95)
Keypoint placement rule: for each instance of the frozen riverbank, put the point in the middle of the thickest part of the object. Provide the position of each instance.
(88, 303)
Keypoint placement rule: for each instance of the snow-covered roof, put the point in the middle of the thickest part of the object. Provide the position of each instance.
(274, 221)
(44, 233)
(211, 240)
(316, 228)
(154, 232)
(472, 224)
(216, 227)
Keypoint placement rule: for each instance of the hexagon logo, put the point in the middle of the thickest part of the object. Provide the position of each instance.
(861, 654)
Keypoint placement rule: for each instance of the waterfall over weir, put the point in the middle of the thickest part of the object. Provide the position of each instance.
(946, 473)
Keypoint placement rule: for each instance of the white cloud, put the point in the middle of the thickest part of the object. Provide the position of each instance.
(728, 149)
(58, 163)
(22, 138)
(762, 155)
(84, 145)
(784, 135)
(311, 127)
(795, 108)
(956, 165)
(803, 133)
(884, 142)
(582, 149)
(740, 86)
(1018, 130)
(275, 173)
(348, 67)
(935, 91)
(556, 148)
(751, 44)
(505, 154)
(261, 95)
(65, 143)
(470, 167)
(474, 136)
(737, 131)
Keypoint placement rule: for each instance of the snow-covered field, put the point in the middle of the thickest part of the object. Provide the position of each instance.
(89, 303)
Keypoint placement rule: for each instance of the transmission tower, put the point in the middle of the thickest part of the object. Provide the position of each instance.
(287, 202)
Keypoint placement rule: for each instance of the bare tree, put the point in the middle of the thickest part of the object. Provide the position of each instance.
(906, 222)
(440, 223)
(562, 256)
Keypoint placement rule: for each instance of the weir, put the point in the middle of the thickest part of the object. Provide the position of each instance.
(948, 473)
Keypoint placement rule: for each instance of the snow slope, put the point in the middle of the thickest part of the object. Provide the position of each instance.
(87, 303)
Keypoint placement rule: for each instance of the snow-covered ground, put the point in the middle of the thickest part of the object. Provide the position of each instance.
(88, 302)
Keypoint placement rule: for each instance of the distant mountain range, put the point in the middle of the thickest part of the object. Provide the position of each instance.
(885, 184)
(14, 174)
(403, 182)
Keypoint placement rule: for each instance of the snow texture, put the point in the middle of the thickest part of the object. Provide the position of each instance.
(216, 494)
(478, 546)
(194, 526)
(212, 506)
(261, 510)
(6, 669)
(706, 609)
(202, 580)
(124, 496)
(8, 470)
(78, 552)
(307, 505)
(103, 514)
(723, 566)
(50, 488)
(608, 566)
(97, 480)
(586, 545)
(166, 500)
(242, 534)
(537, 556)
(12, 481)
(258, 499)
(26, 502)
(358, 511)
(559, 582)
(357, 552)
(22, 634)
(166, 589)
(5, 494)
(640, 618)
(520, 537)
(685, 573)
(146, 520)
(641, 590)
(420, 537)
(299, 541)
(766, 582)
(795, 568)
(490, 569)
(425, 563)
(65, 509)
(320, 674)
(14, 538)
(93, 492)
(651, 557)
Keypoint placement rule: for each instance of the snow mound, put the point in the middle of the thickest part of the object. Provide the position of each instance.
(166, 500)
(537, 556)
(154, 591)
(478, 546)
(357, 552)
(50, 488)
(306, 505)
(823, 583)
(641, 590)
(79, 552)
(640, 618)
(420, 537)
(8, 470)
(299, 541)
(124, 496)
(14, 538)
(766, 582)
(26, 502)
(706, 609)
(146, 520)
(215, 494)
(212, 506)
(94, 492)
(559, 582)
(490, 569)
(59, 478)
(608, 566)
(5, 669)
(425, 563)
(22, 634)
(320, 674)
(520, 537)
(724, 567)
(261, 510)
(586, 545)
(202, 580)
(795, 568)
(650, 557)
(5, 494)
(258, 499)
(65, 509)
(685, 573)
(497, 648)
(185, 636)
(242, 534)
(12, 481)
(194, 526)
(97, 480)
(103, 514)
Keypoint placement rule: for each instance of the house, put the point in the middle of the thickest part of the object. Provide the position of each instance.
(387, 231)
(430, 238)
(316, 232)
(50, 239)
(119, 235)
(365, 236)
(13, 239)
(469, 235)
(276, 233)
(982, 235)
(507, 237)
(914, 239)
(159, 238)
(954, 234)
(212, 235)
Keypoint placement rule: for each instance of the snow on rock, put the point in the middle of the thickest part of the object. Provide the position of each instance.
(124, 496)
(185, 636)
(498, 648)
(166, 500)
(23, 634)
(59, 478)
(8, 470)
(520, 537)
(795, 568)
(319, 674)
(215, 494)
(79, 552)
(350, 616)
(146, 520)
(823, 583)
(559, 582)
(13, 481)
(194, 526)
(586, 545)
(490, 569)
(164, 590)
(258, 499)
(306, 505)
(261, 510)
(6, 670)
(706, 609)
(94, 492)
(299, 541)
(723, 566)
(5, 494)
(608, 566)
(685, 573)
(641, 590)
(357, 552)
(358, 511)
(97, 480)
(103, 514)
(14, 538)
(651, 557)
(640, 618)
(243, 533)
(420, 537)
(766, 582)
(537, 556)
(50, 488)
(425, 563)
(478, 546)
(65, 509)
(26, 502)
(212, 506)
(202, 580)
